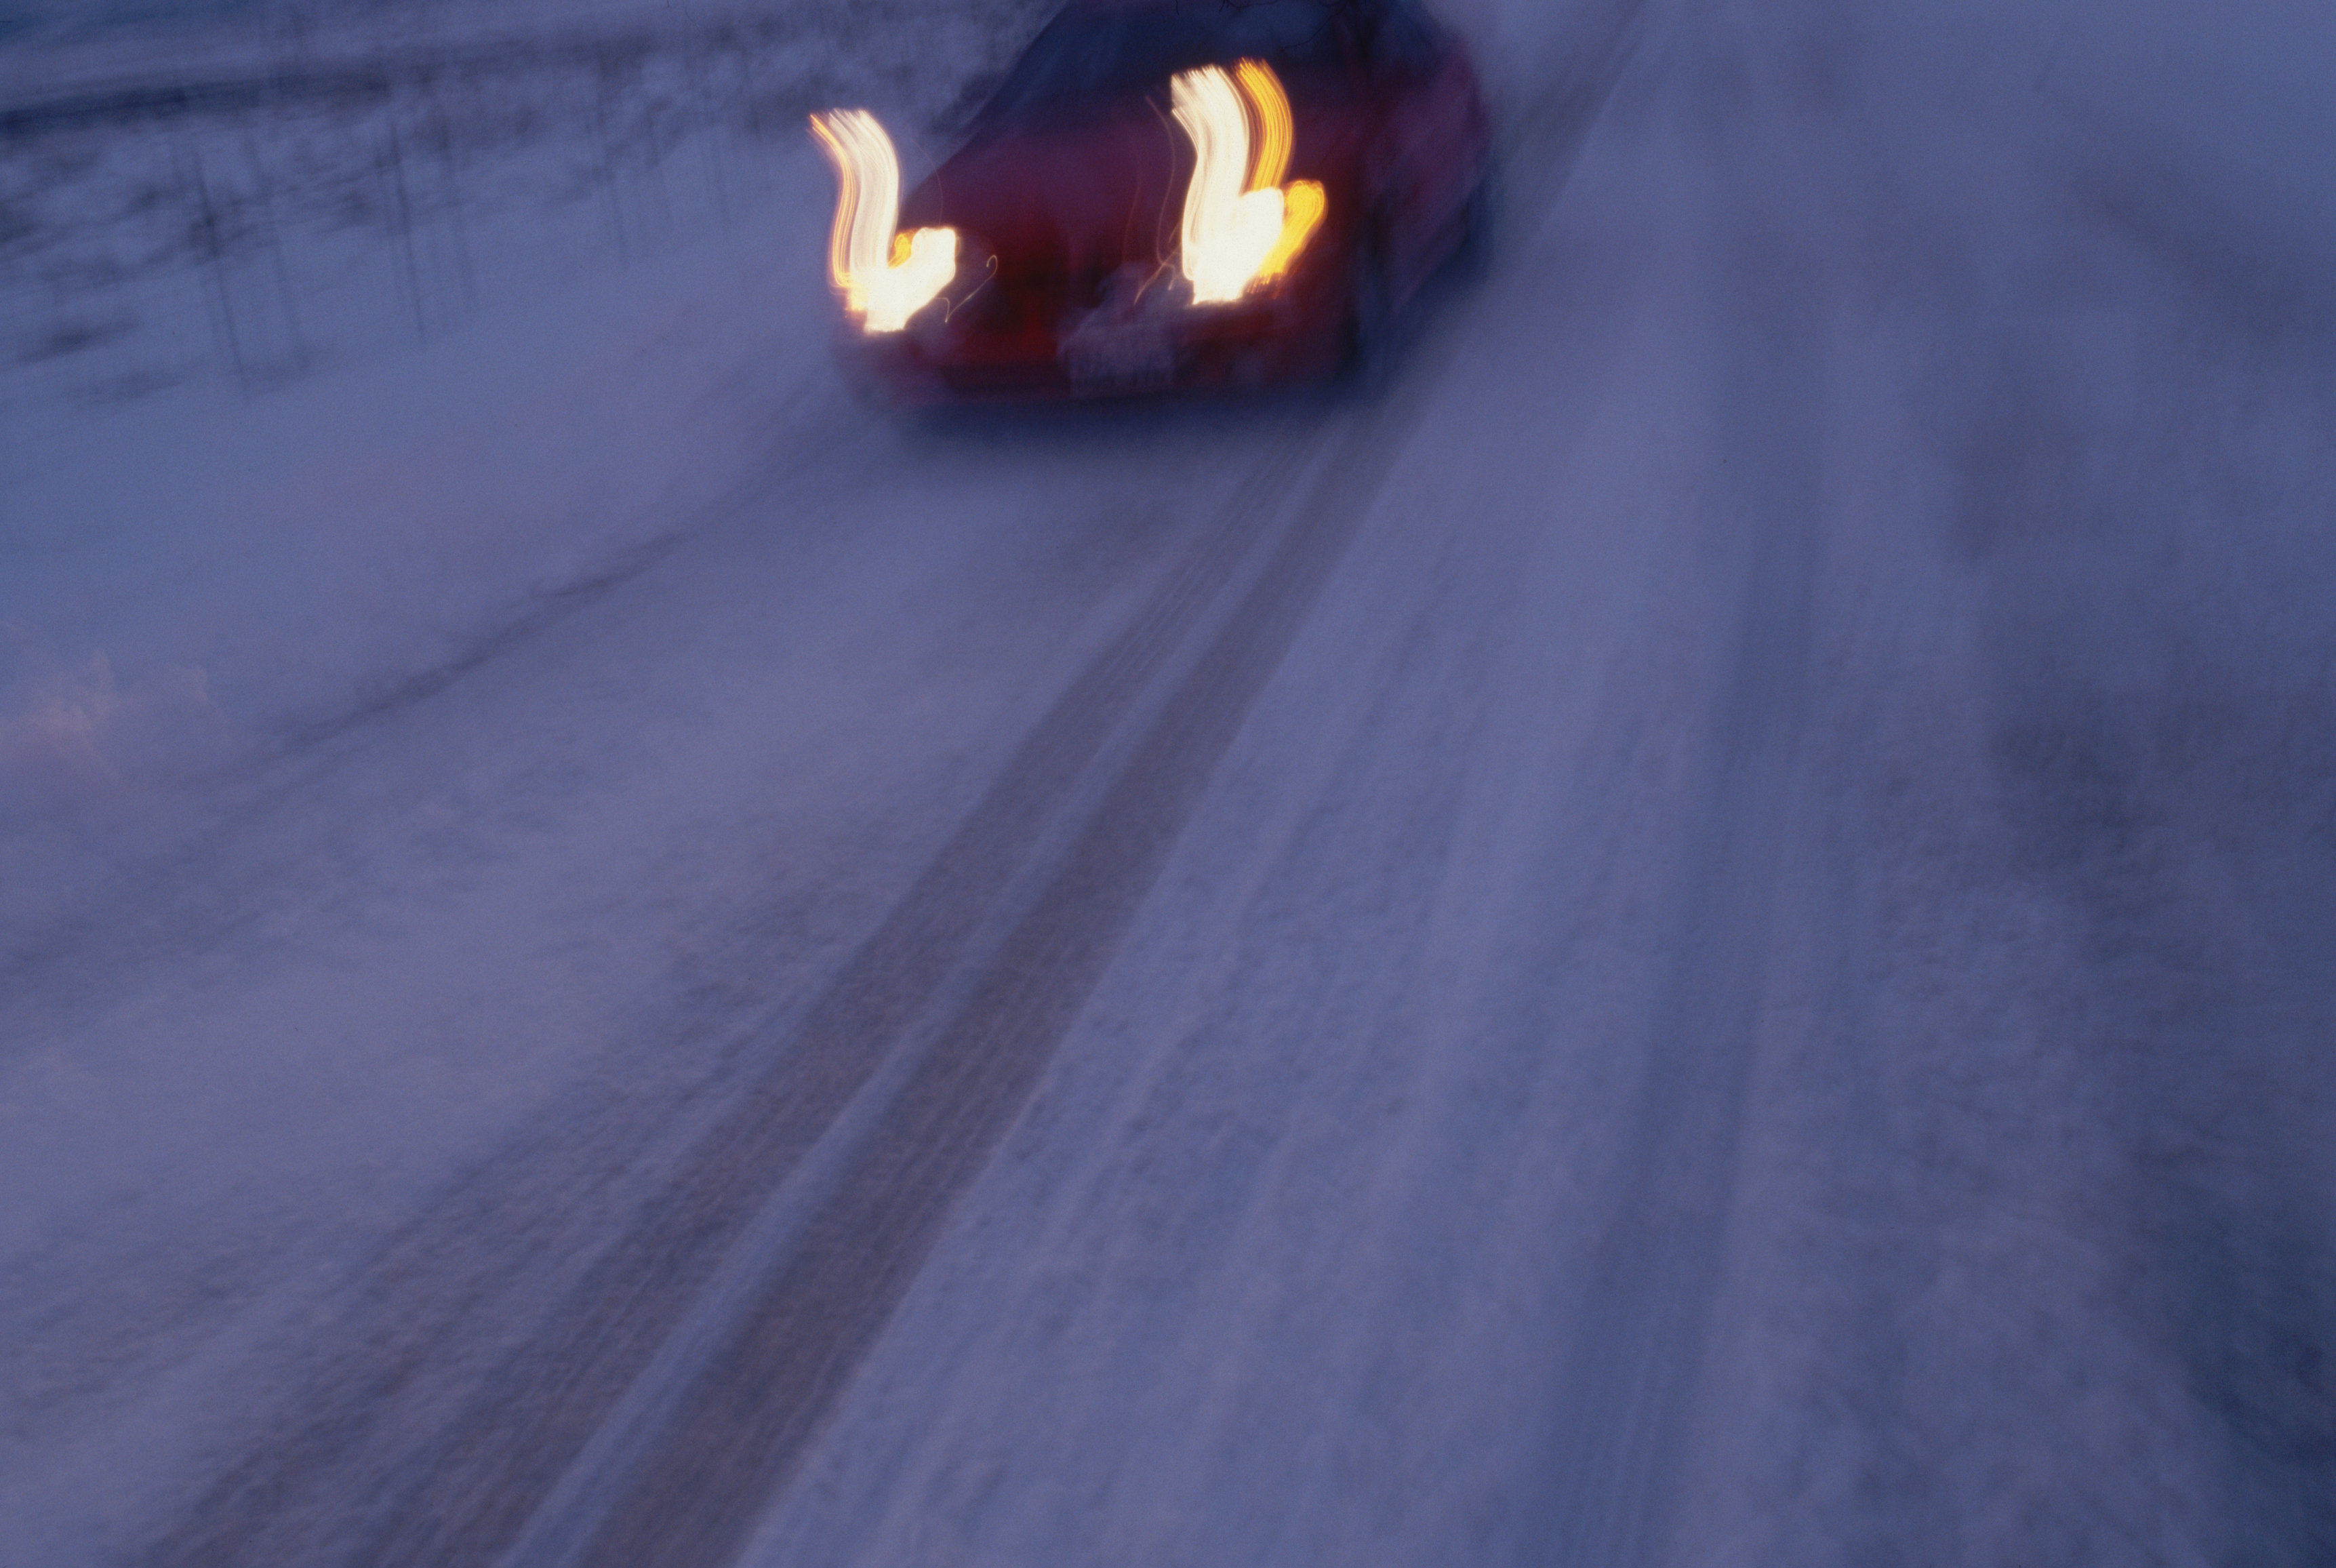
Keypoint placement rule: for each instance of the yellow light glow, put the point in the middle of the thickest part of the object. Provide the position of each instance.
(884, 276)
(1241, 227)
(1270, 113)
(1302, 206)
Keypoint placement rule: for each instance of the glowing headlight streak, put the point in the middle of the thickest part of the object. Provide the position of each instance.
(884, 276)
(1242, 226)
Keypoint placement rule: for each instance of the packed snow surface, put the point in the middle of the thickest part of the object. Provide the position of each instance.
(1702, 931)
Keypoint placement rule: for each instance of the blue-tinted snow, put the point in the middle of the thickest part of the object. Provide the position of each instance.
(1755, 987)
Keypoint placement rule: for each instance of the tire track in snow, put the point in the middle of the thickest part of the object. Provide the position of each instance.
(497, 1460)
(463, 1490)
(754, 1404)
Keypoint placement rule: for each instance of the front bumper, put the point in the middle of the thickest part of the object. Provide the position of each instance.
(1141, 340)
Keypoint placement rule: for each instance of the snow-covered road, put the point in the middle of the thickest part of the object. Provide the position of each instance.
(1704, 933)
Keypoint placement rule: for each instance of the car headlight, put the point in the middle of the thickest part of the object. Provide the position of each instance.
(883, 275)
(1242, 226)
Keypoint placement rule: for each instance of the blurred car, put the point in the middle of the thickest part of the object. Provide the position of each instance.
(1163, 194)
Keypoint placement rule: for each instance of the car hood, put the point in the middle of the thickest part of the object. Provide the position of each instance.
(1071, 200)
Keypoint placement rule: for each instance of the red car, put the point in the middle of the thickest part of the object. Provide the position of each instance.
(1166, 193)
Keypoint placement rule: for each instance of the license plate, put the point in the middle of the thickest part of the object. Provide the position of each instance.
(1125, 356)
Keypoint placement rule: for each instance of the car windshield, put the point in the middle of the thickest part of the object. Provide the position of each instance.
(1083, 57)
